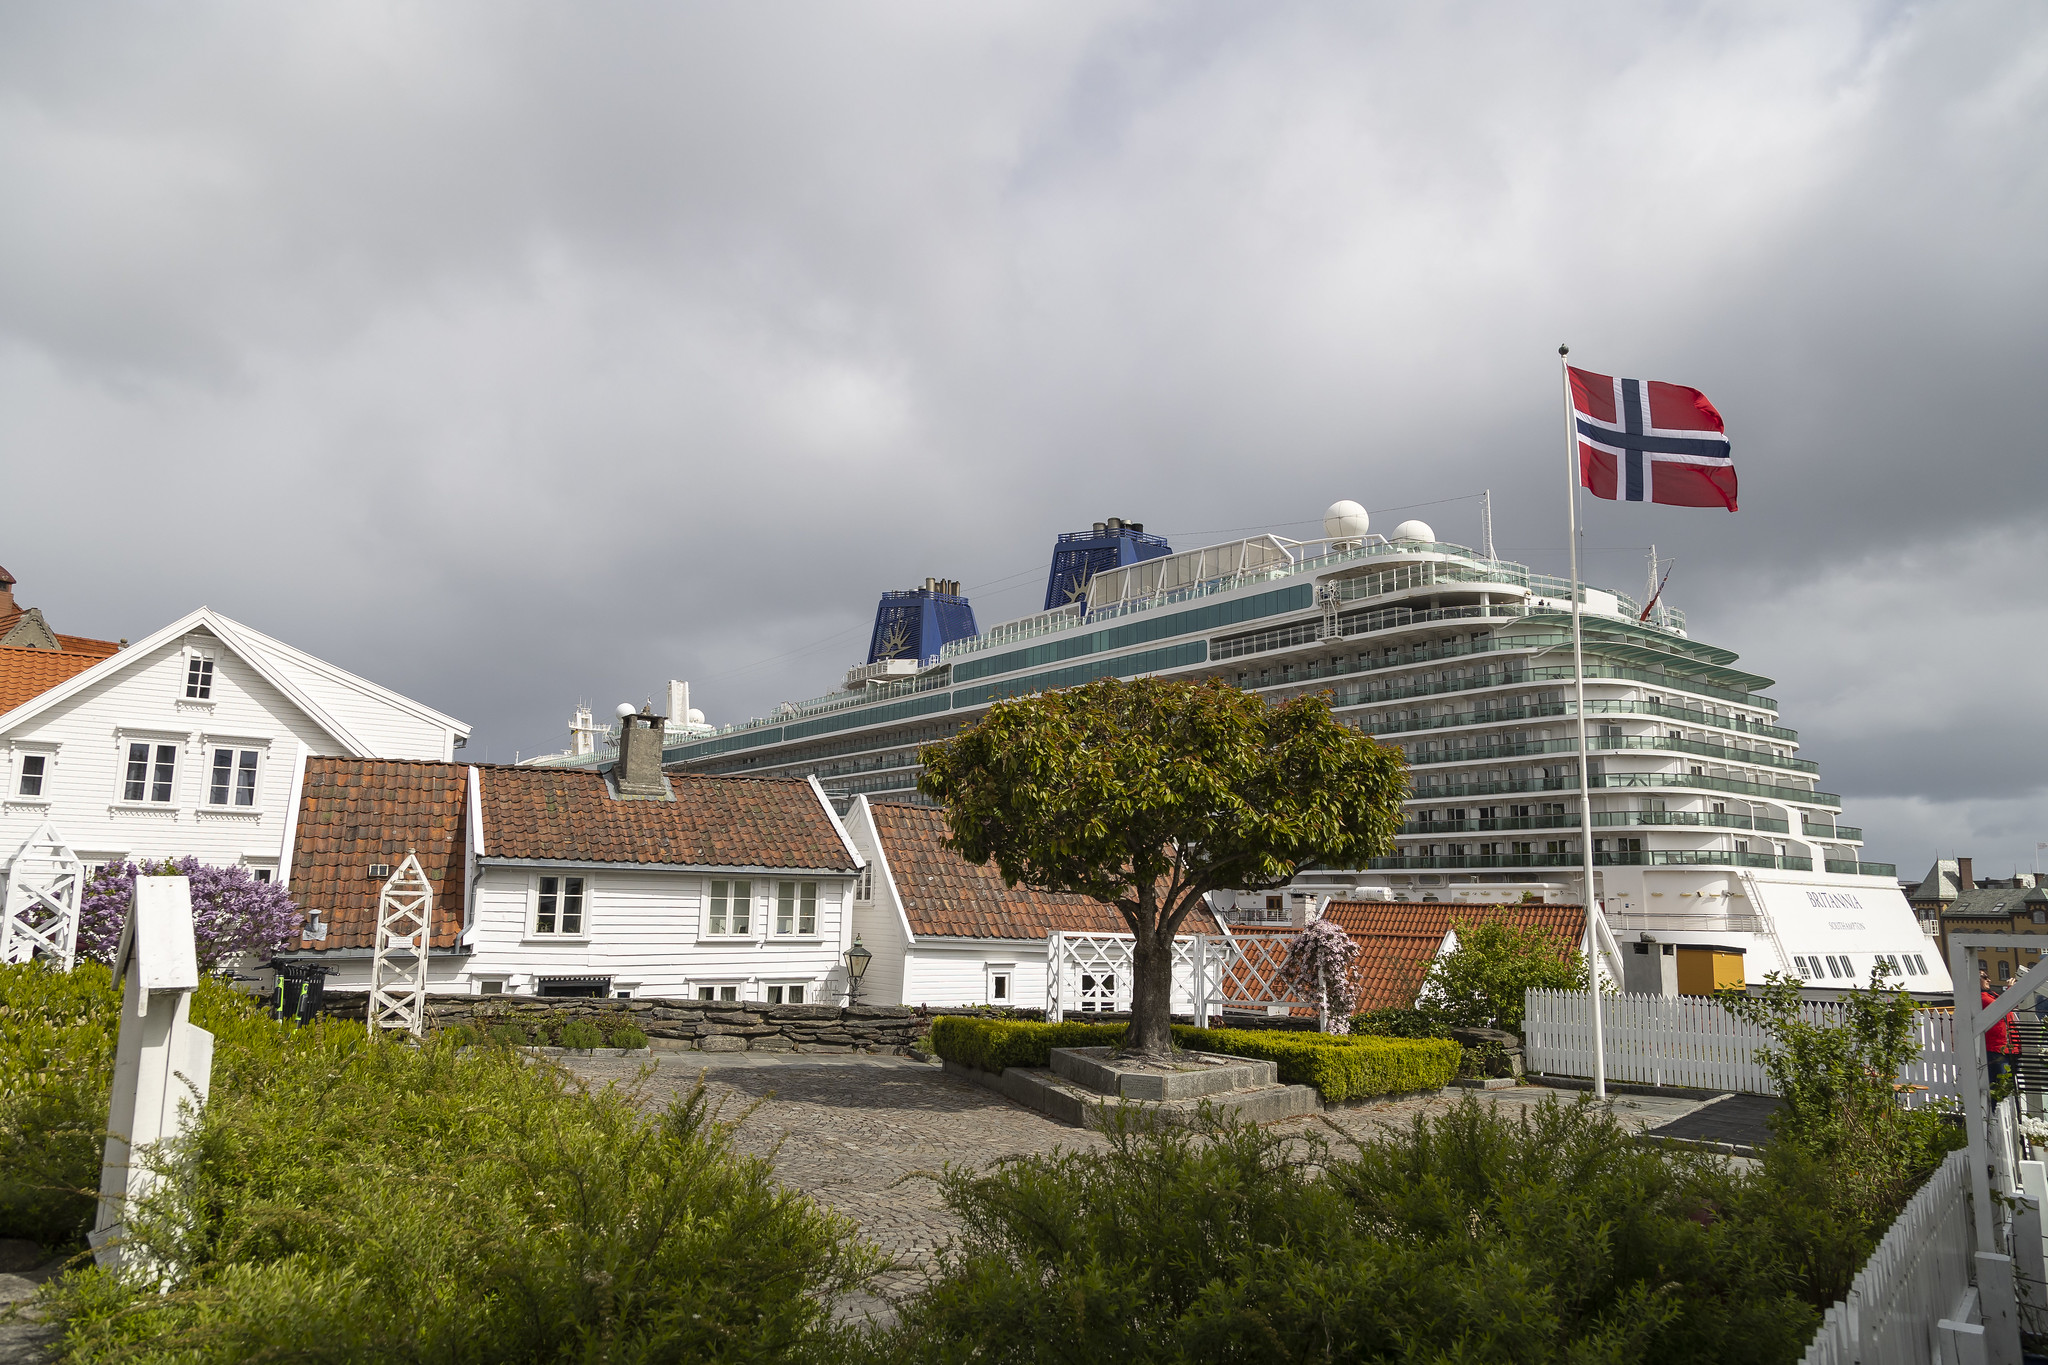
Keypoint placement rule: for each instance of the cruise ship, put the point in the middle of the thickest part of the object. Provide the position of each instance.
(1708, 828)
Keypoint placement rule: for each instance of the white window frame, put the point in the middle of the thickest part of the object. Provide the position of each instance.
(864, 884)
(157, 740)
(18, 771)
(717, 991)
(200, 670)
(808, 990)
(721, 894)
(1006, 974)
(790, 897)
(537, 889)
(210, 745)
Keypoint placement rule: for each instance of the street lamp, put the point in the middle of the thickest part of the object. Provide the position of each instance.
(857, 959)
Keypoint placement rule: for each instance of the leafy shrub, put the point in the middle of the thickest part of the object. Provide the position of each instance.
(509, 1034)
(357, 1197)
(1550, 1236)
(581, 1033)
(998, 1044)
(1482, 982)
(1839, 1104)
(462, 1035)
(56, 1062)
(626, 1034)
(1395, 1022)
(1340, 1068)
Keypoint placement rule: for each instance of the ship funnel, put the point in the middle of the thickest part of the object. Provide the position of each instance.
(1078, 556)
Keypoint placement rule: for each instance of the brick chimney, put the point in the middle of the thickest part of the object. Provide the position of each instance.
(1964, 881)
(638, 771)
(7, 607)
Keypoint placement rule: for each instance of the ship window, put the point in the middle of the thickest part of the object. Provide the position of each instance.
(1923, 963)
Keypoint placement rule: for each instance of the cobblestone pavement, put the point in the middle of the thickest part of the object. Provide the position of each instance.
(863, 1133)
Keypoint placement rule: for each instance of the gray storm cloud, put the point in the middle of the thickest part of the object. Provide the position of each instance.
(513, 354)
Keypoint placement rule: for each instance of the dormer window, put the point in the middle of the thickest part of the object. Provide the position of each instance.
(198, 678)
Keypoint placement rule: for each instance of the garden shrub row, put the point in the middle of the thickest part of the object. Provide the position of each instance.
(545, 1032)
(1339, 1068)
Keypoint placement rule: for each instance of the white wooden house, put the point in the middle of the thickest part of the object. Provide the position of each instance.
(553, 881)
(193, 741)
(945, 931)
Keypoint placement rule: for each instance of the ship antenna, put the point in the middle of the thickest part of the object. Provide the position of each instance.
(1486, 521)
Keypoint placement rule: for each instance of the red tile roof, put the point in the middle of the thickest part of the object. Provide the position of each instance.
(26, 674)
(1397, 941)
(358, 812)
(569, 814)
(945, 896)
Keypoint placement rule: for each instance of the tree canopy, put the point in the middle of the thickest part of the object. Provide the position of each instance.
(1148, 795)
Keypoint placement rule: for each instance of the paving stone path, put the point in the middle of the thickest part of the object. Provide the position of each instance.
(863, 1134)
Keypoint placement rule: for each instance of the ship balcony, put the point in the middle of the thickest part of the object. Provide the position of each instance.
(1846, 834)
(1497, 715)
(1431, 752)
(1602, 819)
(1861, 869)
(1561, 778)
(1661, 857)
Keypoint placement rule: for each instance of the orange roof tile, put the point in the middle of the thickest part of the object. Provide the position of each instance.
(569, 813)
(1397, 941)
(945, 896)
(357, 812)
(26, 674)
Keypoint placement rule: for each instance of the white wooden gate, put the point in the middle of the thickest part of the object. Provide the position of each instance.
(39, 906)
(1693, 1041)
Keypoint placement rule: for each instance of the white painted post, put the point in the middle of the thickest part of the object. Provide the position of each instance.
(39, 911)
(398, 972)
(161, 1060)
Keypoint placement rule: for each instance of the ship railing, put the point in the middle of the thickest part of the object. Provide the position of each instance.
(1659, 857)
(1482, 714)
(1601, 820)
(1860, 869)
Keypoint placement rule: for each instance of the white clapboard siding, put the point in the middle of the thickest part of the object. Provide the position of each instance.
(1910, 1283)
(1692, 1041)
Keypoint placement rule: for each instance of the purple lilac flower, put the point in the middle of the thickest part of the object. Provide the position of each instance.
(1319, 962)
(233, 914)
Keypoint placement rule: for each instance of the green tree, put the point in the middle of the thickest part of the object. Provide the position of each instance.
(1148, 795)
(1479, 984)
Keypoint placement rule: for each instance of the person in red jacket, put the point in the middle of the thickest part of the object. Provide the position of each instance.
(2001, 1040)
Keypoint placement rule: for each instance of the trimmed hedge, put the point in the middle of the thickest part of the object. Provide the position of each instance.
(1339, 1068)
(998, 1044)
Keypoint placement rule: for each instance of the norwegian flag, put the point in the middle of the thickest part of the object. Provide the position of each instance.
(1641, 440)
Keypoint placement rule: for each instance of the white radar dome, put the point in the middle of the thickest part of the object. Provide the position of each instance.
(626, 709)
(695, 717)
(1345, 520)
(1414, 530)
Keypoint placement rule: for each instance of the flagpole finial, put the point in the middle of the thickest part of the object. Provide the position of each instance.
(1564, 350)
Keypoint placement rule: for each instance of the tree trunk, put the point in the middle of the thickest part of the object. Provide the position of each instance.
(1151, 1031)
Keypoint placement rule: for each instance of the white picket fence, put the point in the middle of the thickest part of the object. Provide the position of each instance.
(1910, 1283)
(1694, 1042)
(1091, 974)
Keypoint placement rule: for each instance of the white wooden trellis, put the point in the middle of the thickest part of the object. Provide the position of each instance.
(1091, 974)
(40, 915)
(398, 972)
(1693, 1041)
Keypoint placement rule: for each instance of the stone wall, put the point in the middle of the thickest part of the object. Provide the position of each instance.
(695, 1025)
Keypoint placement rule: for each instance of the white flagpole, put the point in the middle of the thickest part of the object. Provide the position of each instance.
(1571, 491)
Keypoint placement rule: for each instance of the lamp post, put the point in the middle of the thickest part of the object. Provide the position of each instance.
(857, 959)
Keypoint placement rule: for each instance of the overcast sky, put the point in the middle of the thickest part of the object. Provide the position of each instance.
(512, 355)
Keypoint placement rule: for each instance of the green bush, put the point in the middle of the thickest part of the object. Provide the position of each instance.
(1483, 982)
(355, 1197)
(581, 1033)
(998, 1044)
(1340, 1068)
(1552, 1235)
(56, 1062)
(509, 1034)
(1395, 1022)
(626, 1034)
